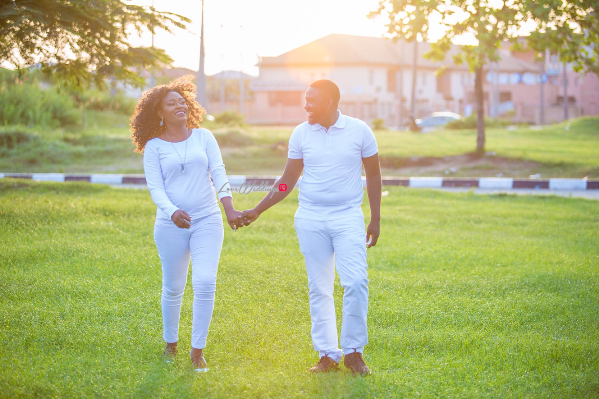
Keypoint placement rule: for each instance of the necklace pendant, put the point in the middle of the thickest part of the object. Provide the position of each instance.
(182, 168)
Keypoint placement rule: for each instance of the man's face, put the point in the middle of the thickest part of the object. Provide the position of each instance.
(317, 105)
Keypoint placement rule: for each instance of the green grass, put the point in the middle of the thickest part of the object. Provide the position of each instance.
(470, 296)
(557, 152)
(105, 147)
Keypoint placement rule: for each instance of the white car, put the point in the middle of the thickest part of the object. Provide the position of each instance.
(436, 119)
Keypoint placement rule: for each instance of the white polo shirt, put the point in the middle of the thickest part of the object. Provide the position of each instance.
(331, 187)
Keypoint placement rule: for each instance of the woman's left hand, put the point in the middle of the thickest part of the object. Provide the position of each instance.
(234, 219)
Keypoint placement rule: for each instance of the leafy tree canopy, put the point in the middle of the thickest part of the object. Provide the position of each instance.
(567, 28)
(79, 42)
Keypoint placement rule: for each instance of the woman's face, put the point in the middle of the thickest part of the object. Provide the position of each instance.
(173, 108)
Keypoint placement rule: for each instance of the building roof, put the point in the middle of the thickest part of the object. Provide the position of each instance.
(171, 73)
(338, 49)
(233, 75)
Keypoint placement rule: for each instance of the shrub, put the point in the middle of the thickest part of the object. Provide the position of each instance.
(233, 138)
(31, 100)
(11, 138)
(470, 123)
(26, 103)
(105, 101)
(378, 124)
(230, 118)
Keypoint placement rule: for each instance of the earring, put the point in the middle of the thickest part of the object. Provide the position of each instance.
(161, 121)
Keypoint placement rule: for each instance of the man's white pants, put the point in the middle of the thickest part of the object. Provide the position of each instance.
(202, 243)
(340, 243)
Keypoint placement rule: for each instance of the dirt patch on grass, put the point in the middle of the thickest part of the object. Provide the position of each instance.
(461, 165)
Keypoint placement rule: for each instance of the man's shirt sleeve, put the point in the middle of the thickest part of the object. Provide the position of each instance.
(295, 145)
(369, 147)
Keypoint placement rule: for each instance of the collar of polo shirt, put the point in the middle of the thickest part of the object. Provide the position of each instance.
(340, 124)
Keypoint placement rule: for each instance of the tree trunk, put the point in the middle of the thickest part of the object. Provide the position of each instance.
(480, 111)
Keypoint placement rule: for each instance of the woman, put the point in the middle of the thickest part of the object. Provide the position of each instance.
(179, 158)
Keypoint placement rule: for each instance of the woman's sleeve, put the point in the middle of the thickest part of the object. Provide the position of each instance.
(155, 183)
(216, 167)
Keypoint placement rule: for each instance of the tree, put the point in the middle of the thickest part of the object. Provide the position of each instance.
(569, 29)
(79, 42)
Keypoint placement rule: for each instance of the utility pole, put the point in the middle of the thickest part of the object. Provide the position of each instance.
(241, 82)
(542, 91)
(222, 77)
(152, 77)
(222, 83)
(201, 76)
(492, 104)
(414, 65)
(566, 99)
(495, 90)
(398, 84)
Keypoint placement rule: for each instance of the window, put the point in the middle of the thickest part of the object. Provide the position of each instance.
(444, 84)
(505, 96)
(391, 80)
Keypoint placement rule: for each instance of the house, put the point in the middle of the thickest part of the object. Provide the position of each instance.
(370, 73)
(566, 93)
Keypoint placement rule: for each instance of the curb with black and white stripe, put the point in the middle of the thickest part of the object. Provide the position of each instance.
(497, 183)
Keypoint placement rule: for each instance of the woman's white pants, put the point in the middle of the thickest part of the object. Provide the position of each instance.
(202, 242)
(340, 243)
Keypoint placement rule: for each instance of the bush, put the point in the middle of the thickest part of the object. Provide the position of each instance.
(470, 123)
(233, 138)
(31, 100)
(230, 118)
(378, 124)
(26, 103)
(11, 138)
(104, 101)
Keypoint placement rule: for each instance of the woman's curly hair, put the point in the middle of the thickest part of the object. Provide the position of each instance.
(145, 123)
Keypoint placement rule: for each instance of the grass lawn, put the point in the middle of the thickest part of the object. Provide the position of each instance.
(105, 147)
(470, 296)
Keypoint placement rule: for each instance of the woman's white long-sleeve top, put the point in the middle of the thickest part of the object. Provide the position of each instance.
(191, 191)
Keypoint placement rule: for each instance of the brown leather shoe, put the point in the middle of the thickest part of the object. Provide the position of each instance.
(356, 364)
(324, 365)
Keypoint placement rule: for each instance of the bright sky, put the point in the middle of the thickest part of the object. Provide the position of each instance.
(252, 28)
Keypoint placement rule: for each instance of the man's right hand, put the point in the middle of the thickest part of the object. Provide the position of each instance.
(181, 219)
(249, 216)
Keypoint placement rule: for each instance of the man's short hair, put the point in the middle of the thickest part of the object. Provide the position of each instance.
(329, 88)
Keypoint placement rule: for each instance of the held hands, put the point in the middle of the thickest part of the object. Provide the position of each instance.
(249, 216)
(372, 233)
(183, 220)
(234, 219)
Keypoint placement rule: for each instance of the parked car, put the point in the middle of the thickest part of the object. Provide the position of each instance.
(436, 120)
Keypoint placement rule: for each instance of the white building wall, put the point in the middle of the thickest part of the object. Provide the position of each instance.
(352, 80)
(365, 92)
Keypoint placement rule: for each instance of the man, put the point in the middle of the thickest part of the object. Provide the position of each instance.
(330, 148)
